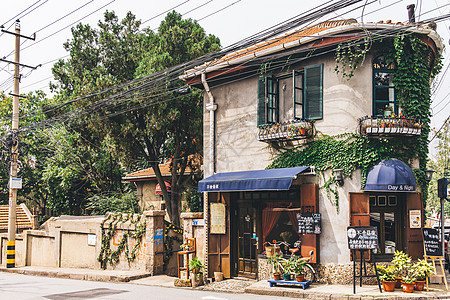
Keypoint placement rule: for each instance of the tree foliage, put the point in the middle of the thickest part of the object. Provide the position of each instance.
(158, 123)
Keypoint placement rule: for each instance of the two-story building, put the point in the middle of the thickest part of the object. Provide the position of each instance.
(285, 93)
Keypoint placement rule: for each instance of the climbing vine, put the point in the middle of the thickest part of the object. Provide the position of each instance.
(347, 151)
(107, 255)
(351, 151)
(169, 239)
(350, 55)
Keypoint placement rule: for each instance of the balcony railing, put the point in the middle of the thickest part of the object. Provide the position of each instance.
(390, 126)
(286, 131)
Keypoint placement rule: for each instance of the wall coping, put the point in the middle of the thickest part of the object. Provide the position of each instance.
(154, 213)
(191, 215)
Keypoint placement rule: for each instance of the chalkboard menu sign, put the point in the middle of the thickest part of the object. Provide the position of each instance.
(431, 242)
(309, 223)
(362, 238)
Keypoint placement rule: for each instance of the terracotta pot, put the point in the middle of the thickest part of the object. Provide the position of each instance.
(420, 285)
(276, 276)
(398, 284)
(408, 287)
(389, 286)
(300, 278)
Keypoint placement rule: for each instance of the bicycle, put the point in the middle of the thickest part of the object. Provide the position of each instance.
(310, 273)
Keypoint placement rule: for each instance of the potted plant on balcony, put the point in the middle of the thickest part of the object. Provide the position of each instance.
(388, 111)
(275, 262)
(421, 270)
(196, 266)
(408, 283)
(387, 277)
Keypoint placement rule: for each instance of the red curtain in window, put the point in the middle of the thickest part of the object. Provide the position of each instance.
(293, 217)
(269, 219)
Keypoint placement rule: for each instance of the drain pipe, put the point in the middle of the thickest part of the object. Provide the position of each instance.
(211, 106)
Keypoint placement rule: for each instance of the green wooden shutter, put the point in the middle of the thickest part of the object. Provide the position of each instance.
(261, 117)
(313, 92)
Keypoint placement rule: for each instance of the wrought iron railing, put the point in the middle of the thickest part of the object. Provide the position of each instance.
(286, 131)
(387, 126)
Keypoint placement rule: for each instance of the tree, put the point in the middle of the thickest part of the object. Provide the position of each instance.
(441, 165)
(157, 123)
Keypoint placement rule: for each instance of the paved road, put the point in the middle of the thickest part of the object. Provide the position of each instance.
(18, 287)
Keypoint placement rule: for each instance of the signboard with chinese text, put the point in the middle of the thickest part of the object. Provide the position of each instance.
(362, 238)
(309, 223)
(433, 247)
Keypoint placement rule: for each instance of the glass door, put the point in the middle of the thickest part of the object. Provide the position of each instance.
(385, 215)
(247, 242)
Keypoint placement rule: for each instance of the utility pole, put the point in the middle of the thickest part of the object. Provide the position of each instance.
(14, 182)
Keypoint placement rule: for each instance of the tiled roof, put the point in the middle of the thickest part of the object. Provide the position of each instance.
(318, 34)
(164, 168)
(289, 37)
(22, 219)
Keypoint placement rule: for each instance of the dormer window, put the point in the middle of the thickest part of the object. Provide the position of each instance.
(383, 86)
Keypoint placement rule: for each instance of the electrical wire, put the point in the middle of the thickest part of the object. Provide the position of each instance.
(170, 9)
(141, 87)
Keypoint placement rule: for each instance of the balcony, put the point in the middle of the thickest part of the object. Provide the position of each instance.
(286, 131)
(389, 126)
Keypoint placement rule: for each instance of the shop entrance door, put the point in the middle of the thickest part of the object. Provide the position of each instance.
(247, 265)
(385, 214)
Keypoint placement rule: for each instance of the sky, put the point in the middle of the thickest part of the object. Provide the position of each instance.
(230, 20)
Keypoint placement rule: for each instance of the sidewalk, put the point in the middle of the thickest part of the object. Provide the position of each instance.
(237, 285)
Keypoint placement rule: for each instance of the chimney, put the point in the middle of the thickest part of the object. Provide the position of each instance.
(411, 14)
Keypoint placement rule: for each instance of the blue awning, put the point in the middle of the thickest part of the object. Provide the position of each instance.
(259, 180)
(391, 175)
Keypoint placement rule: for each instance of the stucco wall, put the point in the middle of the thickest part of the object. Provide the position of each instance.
(237, 146)
(238, 149)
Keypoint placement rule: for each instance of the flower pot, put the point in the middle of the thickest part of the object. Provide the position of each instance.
(408, 287)
(398, 283)
(287, 276)
(420, 285)
(302, 131)
(389, 286)
(276, 276)
(300, 278)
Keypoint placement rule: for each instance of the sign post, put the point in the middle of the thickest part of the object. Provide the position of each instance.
(363, 238)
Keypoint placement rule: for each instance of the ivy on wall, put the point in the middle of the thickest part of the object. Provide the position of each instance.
(107, 255)
(350, 151)
(169, 239)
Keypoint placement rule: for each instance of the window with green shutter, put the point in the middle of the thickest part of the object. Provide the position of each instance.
(294, 96)
(313, 108)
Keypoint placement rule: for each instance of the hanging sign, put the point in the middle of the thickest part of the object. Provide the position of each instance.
(362, 238)
(309, 223)
(431, 242)
(217, 218)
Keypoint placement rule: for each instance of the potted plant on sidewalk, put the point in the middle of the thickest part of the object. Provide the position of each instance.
(408, 283)
(402, 262)
(387, 277)
(287, 265)
(275, 262)
(196, 266)
(421, 270)
(298, 268)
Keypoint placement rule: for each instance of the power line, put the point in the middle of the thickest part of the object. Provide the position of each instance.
(170, 9)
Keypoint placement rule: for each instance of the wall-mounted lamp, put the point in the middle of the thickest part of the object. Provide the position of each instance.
(429, 174)
(339, 176)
